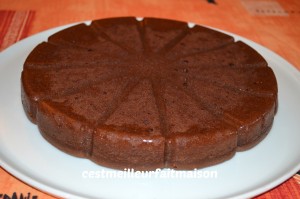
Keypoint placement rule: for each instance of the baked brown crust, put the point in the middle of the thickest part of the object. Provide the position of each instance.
(148, 94)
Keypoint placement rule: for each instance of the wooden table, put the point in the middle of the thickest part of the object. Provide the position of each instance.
(273, 24)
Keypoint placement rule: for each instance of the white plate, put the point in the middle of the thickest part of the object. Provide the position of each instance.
(26, 155)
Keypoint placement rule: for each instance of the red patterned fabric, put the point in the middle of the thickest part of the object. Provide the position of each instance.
(16, 23)
(288, 190)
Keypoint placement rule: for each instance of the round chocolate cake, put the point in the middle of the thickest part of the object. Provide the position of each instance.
(150, 93)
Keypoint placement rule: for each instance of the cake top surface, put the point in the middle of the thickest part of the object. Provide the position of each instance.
(153, 77)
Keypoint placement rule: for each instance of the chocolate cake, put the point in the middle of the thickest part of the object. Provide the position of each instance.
(147, 94)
